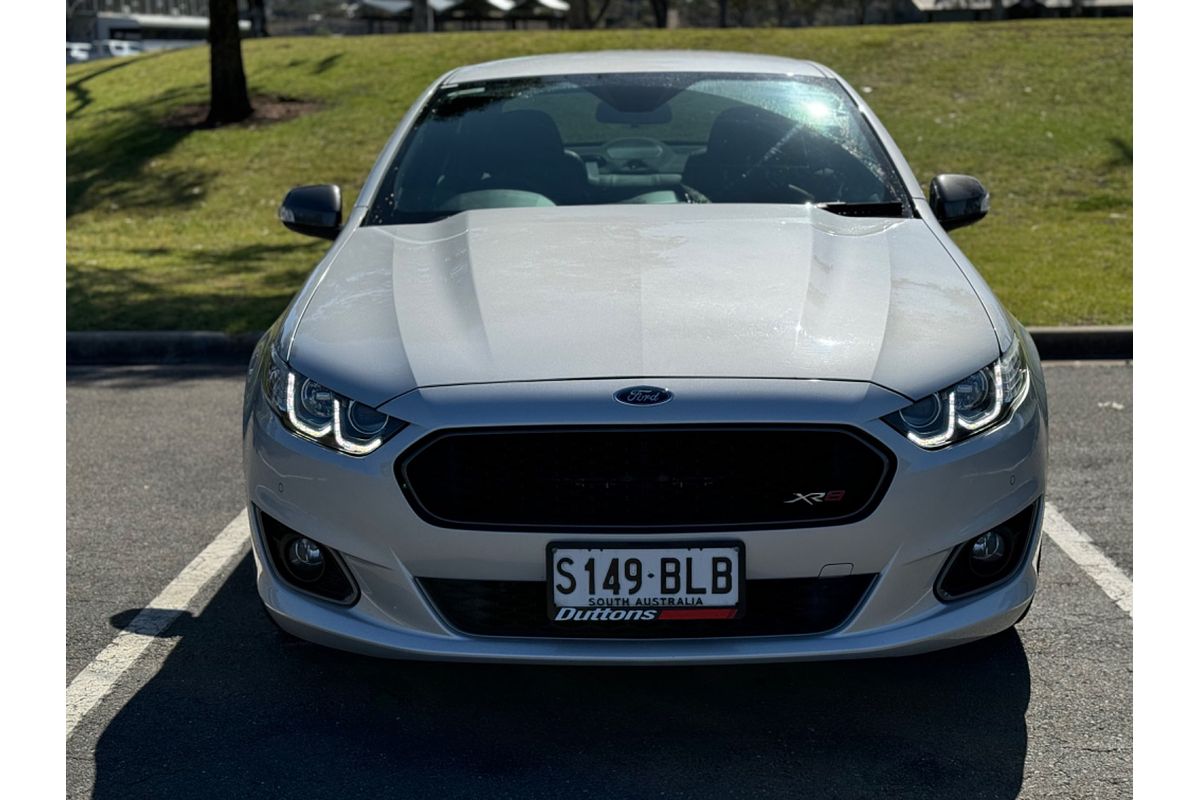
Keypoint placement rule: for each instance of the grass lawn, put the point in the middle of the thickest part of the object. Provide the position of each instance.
(175, 228)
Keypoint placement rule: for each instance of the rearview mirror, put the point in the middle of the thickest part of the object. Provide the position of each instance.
(313, 211)
(957, 200)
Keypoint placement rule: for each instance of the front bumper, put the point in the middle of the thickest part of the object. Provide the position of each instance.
(936, 500)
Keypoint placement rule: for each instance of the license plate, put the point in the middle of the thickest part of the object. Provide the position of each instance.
(644, 582)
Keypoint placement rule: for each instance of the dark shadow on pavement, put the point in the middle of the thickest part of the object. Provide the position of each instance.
(239, 709)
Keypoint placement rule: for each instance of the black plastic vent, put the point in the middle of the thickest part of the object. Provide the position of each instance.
(680, 478)
(787, 606)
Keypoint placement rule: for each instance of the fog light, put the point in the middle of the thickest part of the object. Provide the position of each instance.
(989, 554)
(305, 559)
(988, 548)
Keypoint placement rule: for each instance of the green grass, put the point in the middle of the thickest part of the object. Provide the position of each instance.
(176, 229)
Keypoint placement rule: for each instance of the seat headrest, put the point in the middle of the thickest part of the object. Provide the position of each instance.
(515, 135)
(744, 134)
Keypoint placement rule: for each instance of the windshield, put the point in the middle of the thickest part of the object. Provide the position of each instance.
(638, 138)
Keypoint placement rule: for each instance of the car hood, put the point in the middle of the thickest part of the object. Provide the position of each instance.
(641, 292)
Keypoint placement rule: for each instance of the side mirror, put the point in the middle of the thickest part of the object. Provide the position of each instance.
(313, 211)
(957, 200)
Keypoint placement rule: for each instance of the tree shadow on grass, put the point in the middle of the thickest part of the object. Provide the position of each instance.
(325, 64)
(236, 259)
(106, 168)
(136, 299)
(107, 163)
(83, 95)
(1122, 153)
(239, 708)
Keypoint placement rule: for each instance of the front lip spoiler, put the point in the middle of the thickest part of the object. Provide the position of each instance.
(974, 619)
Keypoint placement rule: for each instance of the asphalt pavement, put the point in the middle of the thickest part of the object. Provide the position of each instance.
(223, 704)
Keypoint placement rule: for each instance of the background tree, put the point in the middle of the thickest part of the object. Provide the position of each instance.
(258, 17)
(420, 12)
(783, 11)
(580, 14)
(660, 9)
(230, 102)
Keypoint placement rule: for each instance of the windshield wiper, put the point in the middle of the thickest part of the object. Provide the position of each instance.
(891, 208)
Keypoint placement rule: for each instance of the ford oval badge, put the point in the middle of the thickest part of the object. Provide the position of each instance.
(643, 395)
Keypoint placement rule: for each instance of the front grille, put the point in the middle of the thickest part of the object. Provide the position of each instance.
(779, 607)
(679, 478)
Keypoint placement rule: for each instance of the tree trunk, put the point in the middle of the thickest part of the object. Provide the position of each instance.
(230, 101)
(723, 13)
(594, 21)
(258, 17)
(420, 11)
(783, 10)
(660, 9)
(578, 15)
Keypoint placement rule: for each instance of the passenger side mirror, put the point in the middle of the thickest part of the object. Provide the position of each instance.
(313, 211)
(957, 200)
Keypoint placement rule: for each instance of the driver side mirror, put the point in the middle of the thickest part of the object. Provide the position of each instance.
(957, 200)
(313, 211)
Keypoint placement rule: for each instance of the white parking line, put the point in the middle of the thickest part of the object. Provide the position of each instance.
(1079, 548)
(99, 677)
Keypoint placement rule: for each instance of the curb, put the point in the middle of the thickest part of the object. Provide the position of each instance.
(197, 347)
(159, 347)
(1084, 343)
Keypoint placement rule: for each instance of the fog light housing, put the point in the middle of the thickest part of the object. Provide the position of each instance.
(987, 559)
(306, 564)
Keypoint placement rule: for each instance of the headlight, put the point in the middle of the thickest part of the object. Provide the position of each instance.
(971, 405)
(316, 412)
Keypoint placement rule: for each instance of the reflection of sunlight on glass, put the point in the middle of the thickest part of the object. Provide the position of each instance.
(817, 110)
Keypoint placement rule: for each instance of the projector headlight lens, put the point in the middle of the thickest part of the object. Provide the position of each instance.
(972, 405)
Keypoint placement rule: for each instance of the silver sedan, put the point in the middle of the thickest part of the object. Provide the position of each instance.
(644, 357)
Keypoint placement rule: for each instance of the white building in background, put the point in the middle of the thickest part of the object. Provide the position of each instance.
(126, 27)
(951, 10)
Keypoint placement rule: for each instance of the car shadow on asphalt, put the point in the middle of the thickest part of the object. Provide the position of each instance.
(241, 709)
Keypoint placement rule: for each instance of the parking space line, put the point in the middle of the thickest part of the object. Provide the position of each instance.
(99, 677)
(1080, 548)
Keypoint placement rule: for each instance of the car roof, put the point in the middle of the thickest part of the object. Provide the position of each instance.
(608, 61)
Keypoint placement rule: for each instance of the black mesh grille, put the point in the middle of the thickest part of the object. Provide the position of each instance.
(617, 479)
(788, 606)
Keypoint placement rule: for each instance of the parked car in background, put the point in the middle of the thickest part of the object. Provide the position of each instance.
(78, 51)
(644, 357)
(107, 48)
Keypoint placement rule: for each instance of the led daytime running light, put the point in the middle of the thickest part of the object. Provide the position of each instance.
(937, 440)
(354, 448)
(997, 403)
(298, 423)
